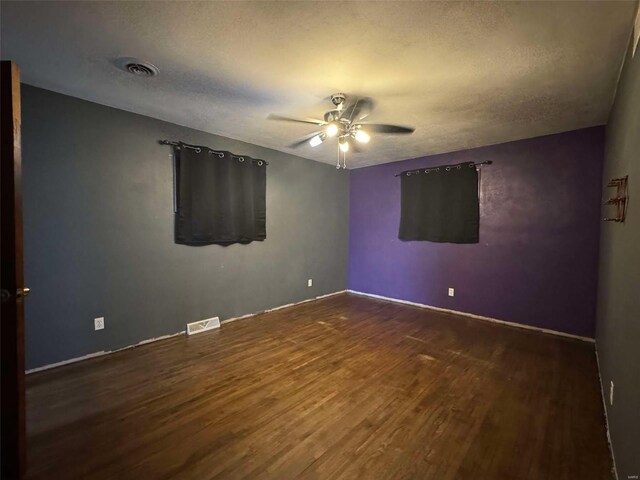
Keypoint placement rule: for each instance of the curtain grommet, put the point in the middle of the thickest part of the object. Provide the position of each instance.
(260, 163)
(198, 150)
(241, 159)
(458, 167)
(408, 174)
(448, 169)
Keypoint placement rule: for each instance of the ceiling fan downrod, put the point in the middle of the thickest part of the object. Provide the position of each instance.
(338, 100)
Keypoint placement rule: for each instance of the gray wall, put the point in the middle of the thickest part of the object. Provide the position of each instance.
(98, 225)
(618, 324)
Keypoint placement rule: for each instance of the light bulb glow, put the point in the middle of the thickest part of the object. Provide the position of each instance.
(315, 141)
(362, 137)
(332, 129)
(344, 146)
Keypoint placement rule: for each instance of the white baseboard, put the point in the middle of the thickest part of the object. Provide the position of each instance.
(283, 306)
(100, 353)
(477, 317)
(606, 417)
(182, 332)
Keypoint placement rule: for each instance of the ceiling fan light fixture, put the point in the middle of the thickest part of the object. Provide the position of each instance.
(315, 141)
(332, 130)
(343, 122)
(362, 136)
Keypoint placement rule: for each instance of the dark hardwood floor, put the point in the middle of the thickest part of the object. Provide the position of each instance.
(344, 387)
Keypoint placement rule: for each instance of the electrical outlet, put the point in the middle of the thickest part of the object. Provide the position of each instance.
(451, 292)
(611, 393)
(98, 323)
(310, 282)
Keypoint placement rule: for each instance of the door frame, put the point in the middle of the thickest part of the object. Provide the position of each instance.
(13, 427)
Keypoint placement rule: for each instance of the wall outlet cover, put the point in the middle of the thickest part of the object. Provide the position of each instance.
(310, 282)
(98, 323)
(451, 292)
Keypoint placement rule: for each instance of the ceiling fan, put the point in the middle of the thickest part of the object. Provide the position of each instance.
(345, 123)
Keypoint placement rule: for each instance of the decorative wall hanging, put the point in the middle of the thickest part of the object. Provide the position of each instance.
(219, 196)
(619, 202)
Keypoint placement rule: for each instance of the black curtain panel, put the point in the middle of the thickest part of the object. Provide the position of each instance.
(220, 197)
(440, 204)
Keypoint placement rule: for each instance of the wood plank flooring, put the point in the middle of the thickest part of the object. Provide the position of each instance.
(341, 388)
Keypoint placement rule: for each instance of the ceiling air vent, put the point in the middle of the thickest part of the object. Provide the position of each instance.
(137, 67)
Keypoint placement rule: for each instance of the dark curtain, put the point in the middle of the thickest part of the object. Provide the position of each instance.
(440, 204)
(220, 197)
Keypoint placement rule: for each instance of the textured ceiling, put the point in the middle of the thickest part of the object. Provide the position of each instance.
(464, 74)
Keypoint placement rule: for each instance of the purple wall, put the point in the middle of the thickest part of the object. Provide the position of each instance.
(537, 259)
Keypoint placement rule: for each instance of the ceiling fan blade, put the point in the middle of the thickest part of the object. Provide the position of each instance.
(282, 118)
(358, 109)
(303, 140)
(384, 128)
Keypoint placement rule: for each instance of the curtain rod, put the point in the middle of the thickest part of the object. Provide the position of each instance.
(199, 148)
(486, 162)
